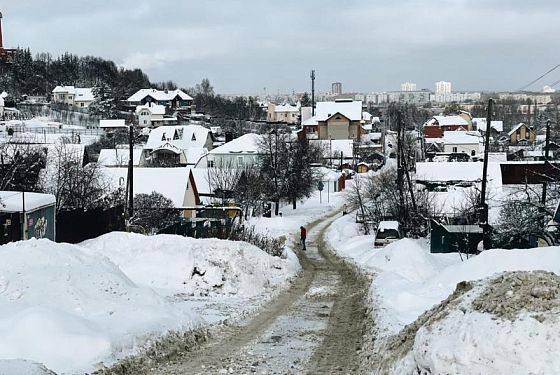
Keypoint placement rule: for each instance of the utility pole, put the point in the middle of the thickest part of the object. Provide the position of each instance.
(400, 173)
(483, 215)
(313, 93)
(130, 167)
(546, 166)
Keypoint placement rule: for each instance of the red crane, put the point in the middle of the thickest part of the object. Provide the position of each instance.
(6, 54)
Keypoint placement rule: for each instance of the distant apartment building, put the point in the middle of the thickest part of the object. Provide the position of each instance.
(443, 87)
(73, 96)
(408, 86)
(534, 98)
(458, 97)
(336, 88)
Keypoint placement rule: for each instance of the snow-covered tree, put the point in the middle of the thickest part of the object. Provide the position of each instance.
(153, 212)
(104, 104)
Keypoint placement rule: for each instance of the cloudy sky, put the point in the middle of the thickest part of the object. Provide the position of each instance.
(247, 46)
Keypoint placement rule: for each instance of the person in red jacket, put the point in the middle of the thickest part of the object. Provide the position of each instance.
(303, 236)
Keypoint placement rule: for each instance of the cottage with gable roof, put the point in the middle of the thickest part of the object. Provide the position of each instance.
(175, 99)
(341, 119)
(177, 145)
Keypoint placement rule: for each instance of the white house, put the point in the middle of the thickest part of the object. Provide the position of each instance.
(237, 153)
(480, 124)
(176, 99)
(283, 113)
(153, 115)
(73, 96)
(461, 141)
(177, 145)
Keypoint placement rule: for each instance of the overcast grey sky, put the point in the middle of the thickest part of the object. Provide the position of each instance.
(244, 46)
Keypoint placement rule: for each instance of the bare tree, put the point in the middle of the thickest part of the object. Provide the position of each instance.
(20, 165)
(74, 185)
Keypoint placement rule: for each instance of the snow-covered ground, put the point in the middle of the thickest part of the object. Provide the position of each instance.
(71, 307)
(408, 281)
(307, 211)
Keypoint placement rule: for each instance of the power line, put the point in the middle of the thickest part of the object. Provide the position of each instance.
(535, 80)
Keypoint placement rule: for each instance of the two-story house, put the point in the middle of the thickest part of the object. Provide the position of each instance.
(153, 115)
(175, 99)
(521, 133)
(73, 96)
(341, 119)
(177, 145)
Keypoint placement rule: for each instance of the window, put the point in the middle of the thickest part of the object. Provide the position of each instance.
(81, 104)
(454, 149)
(193, 138)
(163, 137)
(145, 122)
(176, 135)
(240, 160)
(473, 153)
(210, 163)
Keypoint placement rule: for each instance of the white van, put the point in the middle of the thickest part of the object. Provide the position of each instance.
(387, 232)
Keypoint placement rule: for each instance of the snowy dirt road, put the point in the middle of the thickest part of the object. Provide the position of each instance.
(315, 327)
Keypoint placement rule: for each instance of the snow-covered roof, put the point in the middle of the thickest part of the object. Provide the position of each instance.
(456, 171)
(480, 124)
(310, 121)
(447, 121)
(327, 174)
(516, 127)
(170, 182)
(367, 116)
(12, 201)
(112, 124)
(4, 95)
(118, 157)
(286, 108)
(158, 95)
(154, 109)
(81, 94)
(248, 143)
(388, 224)
(460, 137)
(350, 109)
(187, 136)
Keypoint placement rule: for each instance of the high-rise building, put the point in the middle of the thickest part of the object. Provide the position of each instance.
(336, 88)
(408, 86)
(443, 87)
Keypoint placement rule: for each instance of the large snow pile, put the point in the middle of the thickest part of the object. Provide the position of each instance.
(408, 281)
(180, 265)
(68, 309)
(71, 307)
(509, 324)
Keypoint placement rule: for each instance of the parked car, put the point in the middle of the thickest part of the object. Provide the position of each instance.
(387, 232)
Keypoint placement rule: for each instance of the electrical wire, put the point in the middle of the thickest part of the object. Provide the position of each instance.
(539, 78)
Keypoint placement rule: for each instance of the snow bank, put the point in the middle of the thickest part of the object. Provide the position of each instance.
(505, 325)
(13, 367)
(181, 265)
(410, 281)
(71, 307)
(68, 309)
